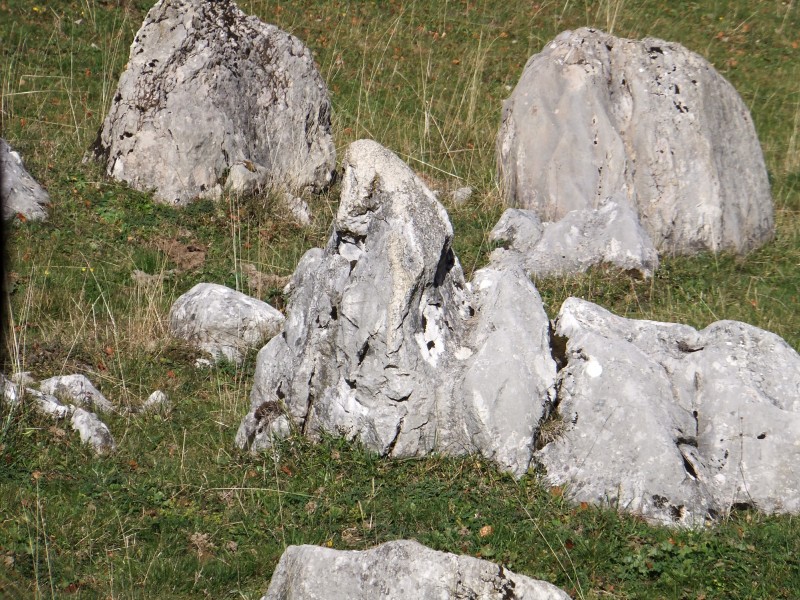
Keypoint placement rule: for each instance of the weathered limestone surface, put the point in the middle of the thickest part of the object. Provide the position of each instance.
(649, 123)
(610, 234)
(385, 342)
(20, 194)
(77, 388)
(223, 322)
(91, 429)
(382, 333)
(214, 98)
(675, 424)
(397, 570)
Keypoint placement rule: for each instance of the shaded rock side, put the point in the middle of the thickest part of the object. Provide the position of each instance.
(397, 570)
(381, 328)
(20, 193)
(608, 235)
(677, 425)
(647, 122)
(223, 322)
(209, 91)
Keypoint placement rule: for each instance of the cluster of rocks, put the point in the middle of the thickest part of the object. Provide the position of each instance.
(610, 151)
(72, 397)
(384, 341)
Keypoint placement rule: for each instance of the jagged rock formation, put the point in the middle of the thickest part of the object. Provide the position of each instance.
(597, 118)
(213, 98)
(384, 340)
(397, 570)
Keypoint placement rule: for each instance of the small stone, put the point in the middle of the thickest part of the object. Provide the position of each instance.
(156, 402)
(459, 197)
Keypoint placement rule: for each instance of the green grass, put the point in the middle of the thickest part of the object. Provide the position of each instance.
(177, 511)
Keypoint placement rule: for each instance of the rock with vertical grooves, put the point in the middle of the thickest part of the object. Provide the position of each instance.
(381, 330)
(212, 98)
(647, 123)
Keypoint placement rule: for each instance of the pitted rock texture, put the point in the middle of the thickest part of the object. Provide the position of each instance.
(210, 92)
(385, 342)
(678, 425)
(597, 118)
(610, 235)
(20, 193)
(383, 336)
(397, 570)
(223, 322)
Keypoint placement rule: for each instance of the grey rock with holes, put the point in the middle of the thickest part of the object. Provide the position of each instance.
(610, 234)
(397, 570)
(223, 322)
(647, 123)
(381, 328)
(78, 389)
(20, 193)
(214, 99)
(677, 425)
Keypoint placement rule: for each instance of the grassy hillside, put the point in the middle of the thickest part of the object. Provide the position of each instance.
(177, 511)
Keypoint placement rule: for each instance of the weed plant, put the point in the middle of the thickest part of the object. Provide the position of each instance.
(177, 511)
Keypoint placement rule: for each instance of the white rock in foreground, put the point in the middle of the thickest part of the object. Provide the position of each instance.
(397, 570)
(223, 322)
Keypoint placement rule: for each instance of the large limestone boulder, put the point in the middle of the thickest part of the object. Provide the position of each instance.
(20, 193)
(384, 341)
(212, 97)
(677, 425)
(223, 322)
(396, 571)
(597, 118)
